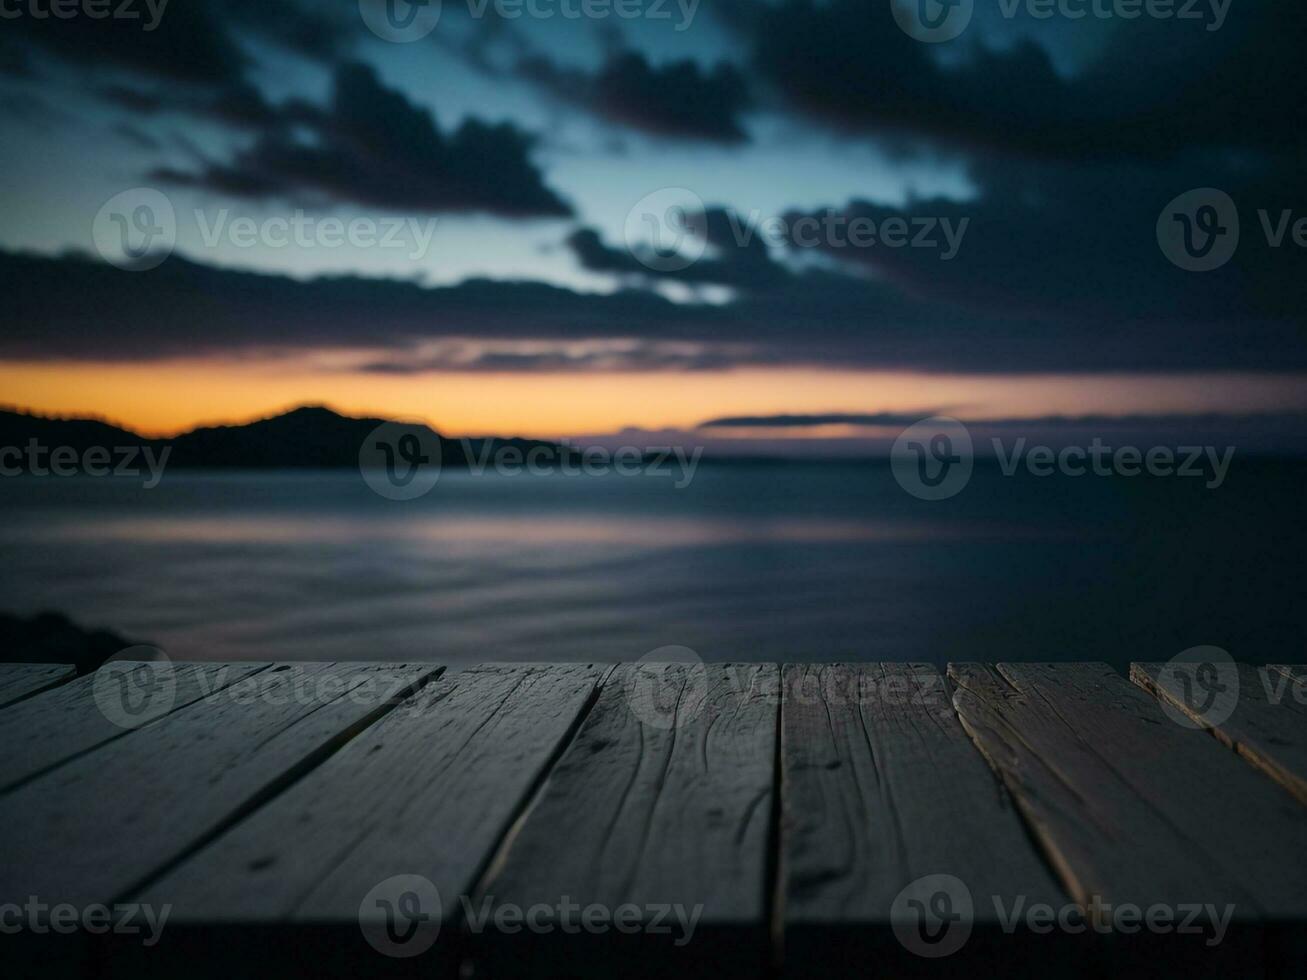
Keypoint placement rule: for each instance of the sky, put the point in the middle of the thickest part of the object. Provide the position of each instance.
(526, 218)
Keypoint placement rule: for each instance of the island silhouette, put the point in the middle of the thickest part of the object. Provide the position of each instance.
(307, 437)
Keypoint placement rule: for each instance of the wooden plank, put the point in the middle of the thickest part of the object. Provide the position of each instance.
(1128, 804)
(94, 829)
(45, 731)
(659, 816)
(428, 791)
(884, 789)
(1263, 721)
(19, 681)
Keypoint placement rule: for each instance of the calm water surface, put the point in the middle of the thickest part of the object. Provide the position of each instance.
(750, 562)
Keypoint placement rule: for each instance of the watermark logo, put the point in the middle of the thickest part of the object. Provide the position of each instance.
(932, 21)
(63, 918)
(404, 21)
(400, 21)
(36, 459)
(1211, 13)
(1199, 230)
(138, 229)
(1207, 463)
(572, 918)
(1206, 681)
(666, 231)
(933, 459)
(933, 916)
(148, 12)
(301, 685)
(1209, 921)
(400, 461)
(920, 688)
(667, 687)
(834, 230)
(135, 230)
(401, 916)
(675, 463)
(1280, 684)
(135, 686)
(304, 231)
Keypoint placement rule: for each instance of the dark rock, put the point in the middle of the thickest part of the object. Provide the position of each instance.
(52, 638)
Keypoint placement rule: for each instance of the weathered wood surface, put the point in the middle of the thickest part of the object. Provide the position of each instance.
(1266, 720)
(92, 829)
(662, 805)
(782, 816)
(19, 681)
(882, 788)
(57, 725)
(1129, 805)
(429, 790)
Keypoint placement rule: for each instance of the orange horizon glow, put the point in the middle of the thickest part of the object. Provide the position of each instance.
(165, 398)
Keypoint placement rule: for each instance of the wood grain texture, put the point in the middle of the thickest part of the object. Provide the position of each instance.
(94, 828)
(1267, 724)
(57, 725)
(882, 787)
(19, 681)
(429, 790)
(661, 808)
(771, 818)
(1128, 804)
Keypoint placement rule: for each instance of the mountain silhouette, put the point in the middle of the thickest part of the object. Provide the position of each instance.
(311, 436)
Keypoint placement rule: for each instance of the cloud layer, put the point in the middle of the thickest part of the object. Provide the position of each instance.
(1050, 264)
(373, 146)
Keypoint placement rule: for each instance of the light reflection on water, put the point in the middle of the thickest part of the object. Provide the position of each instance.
(651, 532)
(748, 563)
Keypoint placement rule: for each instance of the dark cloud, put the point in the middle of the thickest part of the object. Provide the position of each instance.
(735, 255)
(324, 31)
(1049, 267)
(75, 308)
(375, 147)
(1059, 269)
(33, 110)
(1135, 420)
(677, 98)
(1078, 243)
(640, 356)
(195, 61)
(235, 104)
(1250, 433)
(680, 98)
(136, 137)
(15, 62)
(814, 421)
(190, 43)
(1160, 87)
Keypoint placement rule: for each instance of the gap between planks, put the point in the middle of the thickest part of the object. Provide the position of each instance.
(1259, 713)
